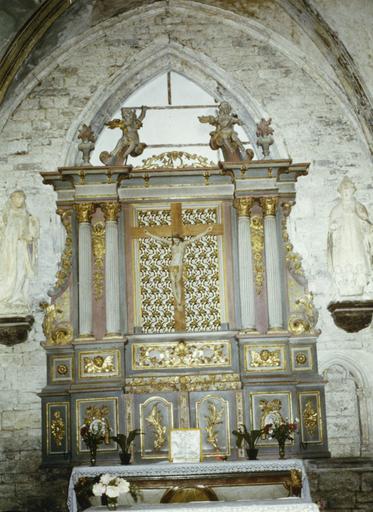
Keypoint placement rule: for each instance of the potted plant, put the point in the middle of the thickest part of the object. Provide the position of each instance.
(124, 443)
(250, 438)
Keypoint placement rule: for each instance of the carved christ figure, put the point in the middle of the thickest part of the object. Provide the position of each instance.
(178, 246)
(129, 143)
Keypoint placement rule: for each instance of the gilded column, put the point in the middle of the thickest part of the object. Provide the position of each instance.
(272, 258)
(112, 302)
(84, 214)
(245, 263)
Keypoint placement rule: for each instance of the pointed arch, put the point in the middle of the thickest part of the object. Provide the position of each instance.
(359, 377)
(154, 61)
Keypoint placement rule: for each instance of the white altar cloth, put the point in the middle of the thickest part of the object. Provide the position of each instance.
(166, 469)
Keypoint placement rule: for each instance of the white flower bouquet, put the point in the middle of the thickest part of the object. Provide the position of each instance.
(110, 487)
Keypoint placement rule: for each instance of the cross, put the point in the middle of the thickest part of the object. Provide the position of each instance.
(175, 230)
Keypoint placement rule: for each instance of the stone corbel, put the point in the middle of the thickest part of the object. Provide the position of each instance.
(14, 330)
(352, 316)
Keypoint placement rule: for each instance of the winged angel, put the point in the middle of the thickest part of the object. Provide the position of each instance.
(129, 143)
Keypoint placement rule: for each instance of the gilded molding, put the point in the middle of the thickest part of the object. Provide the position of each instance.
(176, 160)
(257, 247)
(84, 212)
(180, 354)
(243, 206)
(208, 382)
(269, 205)
(98, 249)
(111, 211)
(155, 420)
(67, 254)
(58, 428)
(310, 418)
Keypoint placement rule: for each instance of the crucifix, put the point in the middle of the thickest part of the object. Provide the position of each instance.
(174, 236)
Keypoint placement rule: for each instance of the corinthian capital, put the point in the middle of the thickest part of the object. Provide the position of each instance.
(84, 212)
(269, 205)
(243, 206)
(111, 211)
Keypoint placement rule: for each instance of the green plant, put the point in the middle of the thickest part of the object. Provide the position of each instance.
(124, 441)
(249, 437)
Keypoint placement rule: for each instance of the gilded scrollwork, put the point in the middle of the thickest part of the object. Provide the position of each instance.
(56, 331)
(304, 317)
(270, 412)
(181, 355)
(208, 382)
(155, 420)
(111, 211)
(213, 419)
(310, 418)
(66, 258)
(98, 249)
(265, 358)
(84, 212)
(176, 160)
(257, 245)
(57, 428)
(293, 259)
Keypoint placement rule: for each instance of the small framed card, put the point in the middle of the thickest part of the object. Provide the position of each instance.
(185, 445)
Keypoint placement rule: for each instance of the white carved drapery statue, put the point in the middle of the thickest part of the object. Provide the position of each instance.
(350, 242)
(19, 234)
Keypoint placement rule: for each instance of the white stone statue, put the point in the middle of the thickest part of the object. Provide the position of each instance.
(350, 242)
(178, 246)
(19, 234)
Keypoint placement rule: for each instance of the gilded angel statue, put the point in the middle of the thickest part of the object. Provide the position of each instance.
(129, 143)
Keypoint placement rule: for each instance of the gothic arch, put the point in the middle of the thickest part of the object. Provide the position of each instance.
(354, 371)
(152, 62)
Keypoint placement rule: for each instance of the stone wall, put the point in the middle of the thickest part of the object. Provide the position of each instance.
(344, 485)
(264, 64)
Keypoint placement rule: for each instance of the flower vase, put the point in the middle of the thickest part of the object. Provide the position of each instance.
(111, 503)
(281, 449)
(92, 455)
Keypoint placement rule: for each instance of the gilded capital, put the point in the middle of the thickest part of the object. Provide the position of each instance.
(269, 205)
(111, 211)
(243, 206)
(84, 212)
(286, 207)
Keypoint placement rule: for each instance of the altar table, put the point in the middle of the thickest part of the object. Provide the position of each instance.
(257, 471)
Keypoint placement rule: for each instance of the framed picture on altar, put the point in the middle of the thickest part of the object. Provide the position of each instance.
(185, 445)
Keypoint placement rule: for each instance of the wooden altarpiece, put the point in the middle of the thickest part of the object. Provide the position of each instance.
(237, 346)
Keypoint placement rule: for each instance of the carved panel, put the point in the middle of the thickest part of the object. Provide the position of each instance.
(264, 358)
(182, 354)
(105, 408)
(58, 427)
(156, 420)
(99, 364)
(270, 407)
(301, 358)
(61, 369)
(310, 416)
(213, 418)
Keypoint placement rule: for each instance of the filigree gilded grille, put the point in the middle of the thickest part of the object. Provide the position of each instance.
(157, 305)
(201, 281)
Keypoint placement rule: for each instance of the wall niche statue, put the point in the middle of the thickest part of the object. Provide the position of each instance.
(350, 243)
(19, 234)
